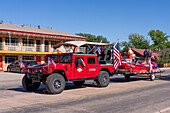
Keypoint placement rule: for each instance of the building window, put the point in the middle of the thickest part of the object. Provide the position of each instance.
(28, 42)
(28, 57)
(90, 60)
(54, 43)
(10, 59)
(13, 42)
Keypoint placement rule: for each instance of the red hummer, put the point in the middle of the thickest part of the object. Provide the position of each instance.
(65, 67)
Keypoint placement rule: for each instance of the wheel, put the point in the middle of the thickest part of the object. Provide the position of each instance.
(9, 69)
(127, 77)
(103, 79)
(152, 77)
(28, 85)
(79, 83)
(55, 83)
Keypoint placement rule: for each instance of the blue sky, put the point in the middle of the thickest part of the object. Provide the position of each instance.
(112, 19)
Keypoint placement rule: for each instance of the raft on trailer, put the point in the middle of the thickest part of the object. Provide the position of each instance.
(139, 68)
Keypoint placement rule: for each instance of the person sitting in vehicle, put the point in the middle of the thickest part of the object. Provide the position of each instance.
(79, 61)
(66, 60)
(108, 57)
(102, 55)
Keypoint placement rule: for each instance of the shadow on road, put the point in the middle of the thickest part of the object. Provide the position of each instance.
(167, 78)
(122, 79)
(42, 88)
(71, 86)
(13, 72)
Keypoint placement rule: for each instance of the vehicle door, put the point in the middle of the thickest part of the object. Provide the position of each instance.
(12, 66)
(79, 68)
(17, 67)
(92, 67)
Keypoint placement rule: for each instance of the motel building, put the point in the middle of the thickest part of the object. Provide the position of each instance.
(29, 43)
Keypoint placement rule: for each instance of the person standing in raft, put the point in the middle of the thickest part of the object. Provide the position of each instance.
(147, 58)
(145, 54)
(130, 53)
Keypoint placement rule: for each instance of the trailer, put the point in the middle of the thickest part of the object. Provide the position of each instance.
(141, 69)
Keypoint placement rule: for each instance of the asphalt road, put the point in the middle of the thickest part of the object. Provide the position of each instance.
(138, 95)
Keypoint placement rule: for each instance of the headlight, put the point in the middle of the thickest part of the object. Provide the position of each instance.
(36, 70)
(41, 71)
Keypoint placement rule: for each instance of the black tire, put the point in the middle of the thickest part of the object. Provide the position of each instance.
(152, 77)
(8, 69)
(28, 85)
(79, 83)
(103, 79)
(127, 77)
(55, 83)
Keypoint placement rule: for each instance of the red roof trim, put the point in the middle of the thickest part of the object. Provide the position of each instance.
(6, 30)
(140, 51)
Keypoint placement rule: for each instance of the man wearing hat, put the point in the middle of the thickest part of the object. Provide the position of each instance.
(147, 58)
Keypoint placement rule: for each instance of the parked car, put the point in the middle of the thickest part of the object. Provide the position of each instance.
(15, 67)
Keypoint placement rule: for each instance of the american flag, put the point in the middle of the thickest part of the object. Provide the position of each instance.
(50, 61)
(21, 64)
(99, 50)
(116, 56)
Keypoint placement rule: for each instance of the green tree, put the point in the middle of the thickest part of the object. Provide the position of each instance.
(138, 41)
(165, 58)
(135, 41)
(93, 38)
(159, 39)
(168, 44)
(125, 45)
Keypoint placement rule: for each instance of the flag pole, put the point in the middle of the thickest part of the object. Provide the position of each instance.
(48, 64)
(116, 42)
(113, 58)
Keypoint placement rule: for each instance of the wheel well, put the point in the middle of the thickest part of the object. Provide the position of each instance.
(105, 69)
(61, 72)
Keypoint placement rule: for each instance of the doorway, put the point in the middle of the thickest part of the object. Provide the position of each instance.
(0, 62)
(38, 59)
(0, 43)
(46, 46)
(38, 46)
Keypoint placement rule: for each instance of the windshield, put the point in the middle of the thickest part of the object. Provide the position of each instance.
(61, 58)
(65, 59)
(32, 63)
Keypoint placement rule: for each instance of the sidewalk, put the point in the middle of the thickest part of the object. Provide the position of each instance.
(165, 68)
(4, 76)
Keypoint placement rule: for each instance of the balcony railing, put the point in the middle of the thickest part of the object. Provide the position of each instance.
(29, 45)
(11, 44)
(36, 48)
(46, 47)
